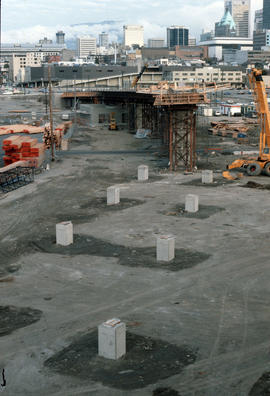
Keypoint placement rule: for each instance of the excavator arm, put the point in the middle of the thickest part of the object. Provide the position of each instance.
(137, 78)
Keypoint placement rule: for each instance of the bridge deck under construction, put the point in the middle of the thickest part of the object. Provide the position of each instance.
(169, 114)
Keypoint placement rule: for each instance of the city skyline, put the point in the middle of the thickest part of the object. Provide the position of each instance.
(48, 16)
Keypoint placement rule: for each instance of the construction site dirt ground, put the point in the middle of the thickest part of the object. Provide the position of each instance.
(197, 326)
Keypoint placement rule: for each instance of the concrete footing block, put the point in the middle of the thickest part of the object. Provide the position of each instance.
(64, 145)
(64, 233)
(192, 203)
(143, 172)
(165, 248)
(112, 339)
(207, 176)
(113, 195)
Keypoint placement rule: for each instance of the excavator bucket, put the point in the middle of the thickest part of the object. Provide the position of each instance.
(230, 176)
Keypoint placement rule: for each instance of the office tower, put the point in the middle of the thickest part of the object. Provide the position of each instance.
(226, 27)
(103, 40)
(60, 37)
(156, 43)
(177, 35)
(266, 14)
(240, 11)
(133, 35)
(258, 20)
(86, 46)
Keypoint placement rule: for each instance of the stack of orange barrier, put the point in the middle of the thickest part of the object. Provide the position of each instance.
(19, 148)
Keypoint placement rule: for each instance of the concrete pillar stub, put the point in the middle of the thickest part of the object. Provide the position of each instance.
(64, 233)
(192, 203)
(112, 339)
(143, 172)
(165, 248)
(64, 144)
(113, 195)
(207, 176)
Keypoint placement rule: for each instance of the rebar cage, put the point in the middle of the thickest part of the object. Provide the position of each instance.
(16, 178)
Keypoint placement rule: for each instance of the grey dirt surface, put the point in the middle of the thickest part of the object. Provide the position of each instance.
(217, 309)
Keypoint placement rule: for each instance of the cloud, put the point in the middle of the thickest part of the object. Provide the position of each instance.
(46, 17)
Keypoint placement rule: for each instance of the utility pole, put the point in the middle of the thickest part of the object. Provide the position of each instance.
(75, 100)
(51, 113)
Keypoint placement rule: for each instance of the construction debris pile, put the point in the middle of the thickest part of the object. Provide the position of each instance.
(23, 148)
(230, 129)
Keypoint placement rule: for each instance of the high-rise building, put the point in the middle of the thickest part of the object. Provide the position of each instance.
(156, 43)
(240, 11)
(192, 41)
(266, 14)
(103, 40)
(205, 36)
(133, 35)
(226, 27)
(261, 38)
(258, 20)
(45, 41)
(86, 46)
(177, 35)
(60, 37)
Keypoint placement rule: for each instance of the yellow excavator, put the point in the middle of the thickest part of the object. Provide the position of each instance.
(261, 164)
(137, 78)
(113, 126)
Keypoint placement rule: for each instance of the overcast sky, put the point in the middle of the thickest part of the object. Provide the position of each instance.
(30, 20)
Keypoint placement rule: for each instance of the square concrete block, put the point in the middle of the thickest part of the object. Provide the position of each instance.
(113, 195)
(64, 144)
(207, 176)
(192, 203)
(64, 233)
(165, 248)
(143, 172)
(112, 339)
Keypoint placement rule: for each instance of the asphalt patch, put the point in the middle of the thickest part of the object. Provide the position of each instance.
(216, 183)
(13, 318)
(205, 211)
(262, 386)
(9, 253)
(89, 211)
(101, 204)
(165, 392)
(259, 186)
(131, 257)
(147, 361)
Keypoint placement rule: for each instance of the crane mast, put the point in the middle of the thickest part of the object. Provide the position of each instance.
(261, 164)
(260, 97)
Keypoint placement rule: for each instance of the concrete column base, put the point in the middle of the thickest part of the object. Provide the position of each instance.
(192, 203)
(165, 248)
(64, 233)
(112, 339)
(207, 176)
(143, 172)
(64, 144)
(113, 195)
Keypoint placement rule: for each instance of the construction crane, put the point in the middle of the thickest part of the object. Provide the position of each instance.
(261, 164)
(137, 78)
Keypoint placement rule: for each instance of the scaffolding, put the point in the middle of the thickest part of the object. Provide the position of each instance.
(170, 115)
